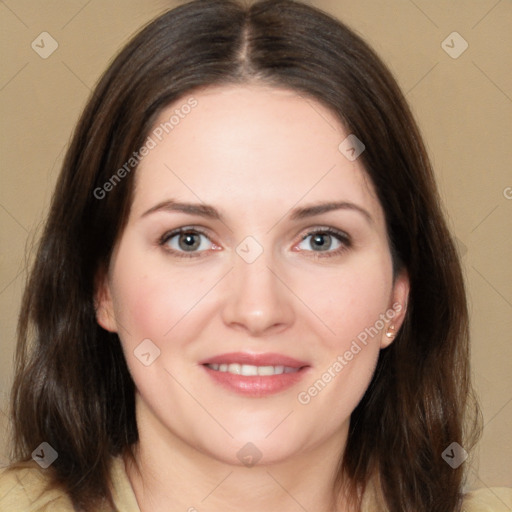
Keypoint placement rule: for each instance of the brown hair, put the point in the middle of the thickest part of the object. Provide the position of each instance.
(72, 387)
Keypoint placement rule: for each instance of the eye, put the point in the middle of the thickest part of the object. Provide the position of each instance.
(324, 240)
(186, 240)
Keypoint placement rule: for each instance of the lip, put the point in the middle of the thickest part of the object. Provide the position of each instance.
(256, 386)
(268, 359)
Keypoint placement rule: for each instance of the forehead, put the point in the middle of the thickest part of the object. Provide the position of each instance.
(250, 147)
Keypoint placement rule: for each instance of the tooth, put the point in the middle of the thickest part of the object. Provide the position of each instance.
(234, 368)
(249, 370)
(267, 370)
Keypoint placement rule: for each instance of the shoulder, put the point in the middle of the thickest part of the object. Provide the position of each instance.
(25, 488)
(497, 499)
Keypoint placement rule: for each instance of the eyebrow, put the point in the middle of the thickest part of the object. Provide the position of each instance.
(209, 212)
(202, 210)
(318, 209)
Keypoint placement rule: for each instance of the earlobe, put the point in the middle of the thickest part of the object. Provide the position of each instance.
(399, 306)
(103, 304)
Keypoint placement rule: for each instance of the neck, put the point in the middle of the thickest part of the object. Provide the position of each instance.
(168, 474)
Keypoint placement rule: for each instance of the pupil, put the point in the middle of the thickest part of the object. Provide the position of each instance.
(322, 242)
(189, 241)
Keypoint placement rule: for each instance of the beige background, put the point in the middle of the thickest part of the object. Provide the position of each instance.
(463, 105)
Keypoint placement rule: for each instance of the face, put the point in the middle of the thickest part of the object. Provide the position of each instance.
(252, 286)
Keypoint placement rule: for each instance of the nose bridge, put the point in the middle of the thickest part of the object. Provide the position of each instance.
(254, 281)
(256, 300)
(253, 261)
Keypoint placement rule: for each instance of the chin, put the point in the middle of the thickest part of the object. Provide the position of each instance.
(251, 452)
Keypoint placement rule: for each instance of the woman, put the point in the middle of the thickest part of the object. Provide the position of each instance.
(246, 296)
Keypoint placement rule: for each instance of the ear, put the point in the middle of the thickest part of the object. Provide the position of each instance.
(103, 303)
(395, 315)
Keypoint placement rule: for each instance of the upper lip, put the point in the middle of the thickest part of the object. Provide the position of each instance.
(268, 359)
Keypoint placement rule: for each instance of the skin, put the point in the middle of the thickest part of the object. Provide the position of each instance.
(254, 154)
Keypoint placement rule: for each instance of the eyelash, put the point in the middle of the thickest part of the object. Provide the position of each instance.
(182, 254)
(341, 236)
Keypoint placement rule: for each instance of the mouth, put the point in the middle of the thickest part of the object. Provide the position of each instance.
(255, 375)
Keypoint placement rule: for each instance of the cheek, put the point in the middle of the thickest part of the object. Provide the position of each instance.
(362, 302)
(351, 299)
(154, 302)
(351, 303)
(151, 298)
(140, 307)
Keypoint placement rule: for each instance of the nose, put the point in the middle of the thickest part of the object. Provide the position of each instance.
(257, 301)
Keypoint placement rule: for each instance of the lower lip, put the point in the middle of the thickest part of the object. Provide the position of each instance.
(256, 386)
